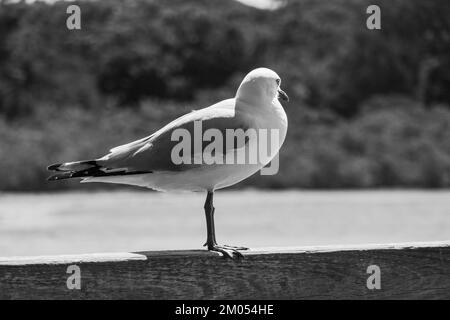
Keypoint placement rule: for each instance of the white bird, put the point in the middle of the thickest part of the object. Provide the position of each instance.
(149, 162)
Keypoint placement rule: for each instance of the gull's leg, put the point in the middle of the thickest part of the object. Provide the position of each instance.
(227, 251)
(209, 214)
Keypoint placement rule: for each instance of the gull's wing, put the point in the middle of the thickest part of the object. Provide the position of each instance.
(153, 153)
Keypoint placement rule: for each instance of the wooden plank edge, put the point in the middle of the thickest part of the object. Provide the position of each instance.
(142, 256)
(71, 259)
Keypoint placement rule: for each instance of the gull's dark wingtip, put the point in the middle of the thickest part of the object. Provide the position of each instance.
(54, 167)
(52, 178)
(60, 176)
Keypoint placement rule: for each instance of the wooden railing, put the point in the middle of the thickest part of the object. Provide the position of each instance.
(394, 271)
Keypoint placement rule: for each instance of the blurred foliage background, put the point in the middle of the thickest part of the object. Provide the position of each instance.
(369, 108)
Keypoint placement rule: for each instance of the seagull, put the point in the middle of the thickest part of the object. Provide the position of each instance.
(149, 162)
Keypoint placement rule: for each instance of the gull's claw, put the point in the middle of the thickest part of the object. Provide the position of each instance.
(226, 251)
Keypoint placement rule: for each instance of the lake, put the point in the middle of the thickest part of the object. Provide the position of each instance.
(68, 223)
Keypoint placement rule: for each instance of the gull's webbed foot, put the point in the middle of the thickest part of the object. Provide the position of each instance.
(227, 251)
(234, 247)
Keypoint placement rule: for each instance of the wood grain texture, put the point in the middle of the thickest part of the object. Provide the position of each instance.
(410, 271)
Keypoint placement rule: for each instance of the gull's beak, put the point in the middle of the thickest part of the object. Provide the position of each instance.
(282, 95)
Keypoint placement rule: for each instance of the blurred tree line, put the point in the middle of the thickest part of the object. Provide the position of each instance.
(369, 108)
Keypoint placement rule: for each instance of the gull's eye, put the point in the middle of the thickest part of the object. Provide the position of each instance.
(278, 81)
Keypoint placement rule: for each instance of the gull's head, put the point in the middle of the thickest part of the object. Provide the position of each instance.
(261, 86)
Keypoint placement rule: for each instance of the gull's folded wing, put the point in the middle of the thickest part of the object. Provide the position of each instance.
(153, 153)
